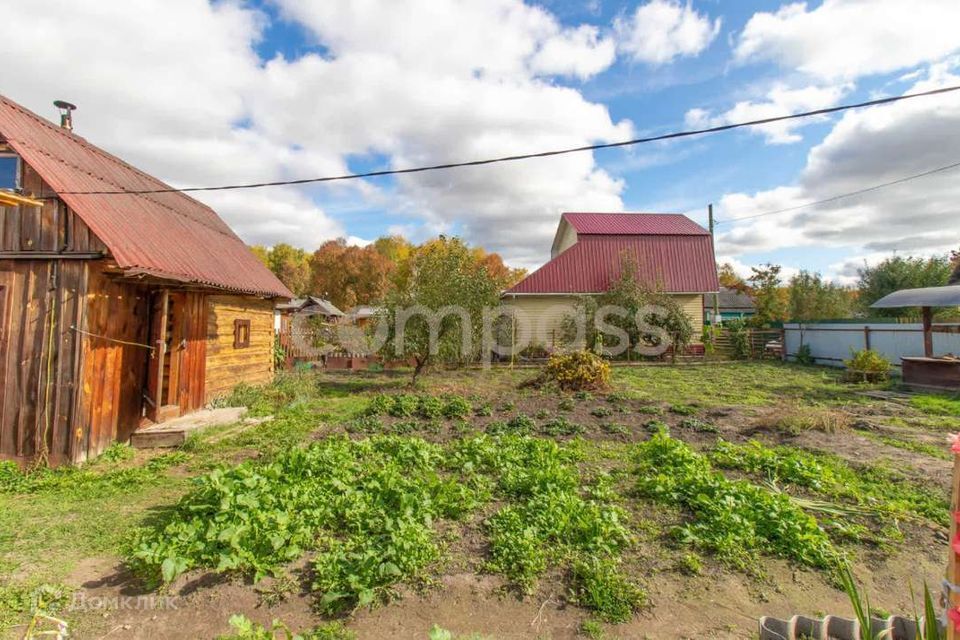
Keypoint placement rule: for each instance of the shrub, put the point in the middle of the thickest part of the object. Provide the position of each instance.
(867, 365)
(739, 338)
(577, 370)
(805, 355)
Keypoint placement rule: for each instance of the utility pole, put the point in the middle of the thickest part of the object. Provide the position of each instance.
(716, 296)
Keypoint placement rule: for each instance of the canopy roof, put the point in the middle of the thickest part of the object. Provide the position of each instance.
(925, 297)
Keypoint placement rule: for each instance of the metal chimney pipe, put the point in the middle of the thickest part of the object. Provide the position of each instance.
(66, 115)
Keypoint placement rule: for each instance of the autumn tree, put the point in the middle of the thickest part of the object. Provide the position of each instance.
(955, 261)
(288, 263)
(897, 273)
(768, 295)
(729, 279)
(813, 298)
(349, 275)
(445, 277)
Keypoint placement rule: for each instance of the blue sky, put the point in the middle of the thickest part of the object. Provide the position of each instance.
(206, 93)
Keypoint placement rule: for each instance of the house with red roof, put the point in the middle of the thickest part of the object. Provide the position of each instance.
(123, 303)
(673, 254)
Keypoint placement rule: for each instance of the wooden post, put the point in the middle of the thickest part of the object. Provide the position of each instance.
(953, 568)
(866, 336)
(927, 332)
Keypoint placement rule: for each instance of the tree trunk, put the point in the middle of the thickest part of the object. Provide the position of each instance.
(421, 363)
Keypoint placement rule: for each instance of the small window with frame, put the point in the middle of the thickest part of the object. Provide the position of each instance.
(9, 170)
(241, 334)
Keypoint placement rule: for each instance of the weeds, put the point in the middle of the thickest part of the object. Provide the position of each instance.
(877, 489)
(599, 585)
(698, 425)
(732, 518)
(560, 426)
(797, 419)
(246, 629)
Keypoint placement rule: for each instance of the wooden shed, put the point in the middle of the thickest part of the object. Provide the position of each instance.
(122, 303)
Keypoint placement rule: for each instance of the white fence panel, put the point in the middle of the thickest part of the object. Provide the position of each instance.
(831, 343)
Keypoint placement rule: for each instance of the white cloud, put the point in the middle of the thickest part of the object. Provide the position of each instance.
(865, 148)
(846, 39)
(661, 30)
(178, 89)
(580, 52)
(779, 100)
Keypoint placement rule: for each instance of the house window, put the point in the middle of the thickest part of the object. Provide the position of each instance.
(9, 170)
(241, 334)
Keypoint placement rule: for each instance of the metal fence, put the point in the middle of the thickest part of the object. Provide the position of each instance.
(832, 342)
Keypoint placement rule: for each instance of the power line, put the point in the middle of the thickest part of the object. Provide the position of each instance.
(527, 156)
(843, 195)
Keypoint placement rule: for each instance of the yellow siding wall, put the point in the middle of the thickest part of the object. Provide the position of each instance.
(227, 366)
(547, 312)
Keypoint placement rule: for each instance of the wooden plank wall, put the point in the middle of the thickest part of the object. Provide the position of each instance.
(112, 374)
(42, 301)
(226, 366)
(53, 227)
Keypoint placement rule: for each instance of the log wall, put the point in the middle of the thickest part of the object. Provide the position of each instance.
(226, 365)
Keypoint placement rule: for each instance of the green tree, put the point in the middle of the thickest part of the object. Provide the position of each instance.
(445, 278)
(630, 294)
(768, 294)
(897, 273)
(813, 298)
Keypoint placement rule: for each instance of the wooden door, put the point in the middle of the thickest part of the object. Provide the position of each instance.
(153, 396)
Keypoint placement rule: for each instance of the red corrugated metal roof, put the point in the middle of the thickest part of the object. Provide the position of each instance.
(675, 263)
(633, 223)
(168, 235)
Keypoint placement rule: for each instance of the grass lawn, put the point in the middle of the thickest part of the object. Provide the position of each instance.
(683, 501)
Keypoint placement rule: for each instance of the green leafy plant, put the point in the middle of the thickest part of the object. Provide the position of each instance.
(246, 629)
(456, 407)
(599, 585)
(683, 409)
(867, 365)
(430, 407)
(561, 426)
(601, 412)
(733, 518)
(698, 425)
(567, 404)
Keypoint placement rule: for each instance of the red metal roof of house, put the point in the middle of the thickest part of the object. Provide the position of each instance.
(675, 259)
(633, 223)
(167, 235)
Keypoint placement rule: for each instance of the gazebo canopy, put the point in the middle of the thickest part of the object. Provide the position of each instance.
(925, 297)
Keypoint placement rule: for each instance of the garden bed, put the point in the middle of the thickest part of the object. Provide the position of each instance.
(482, 507)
